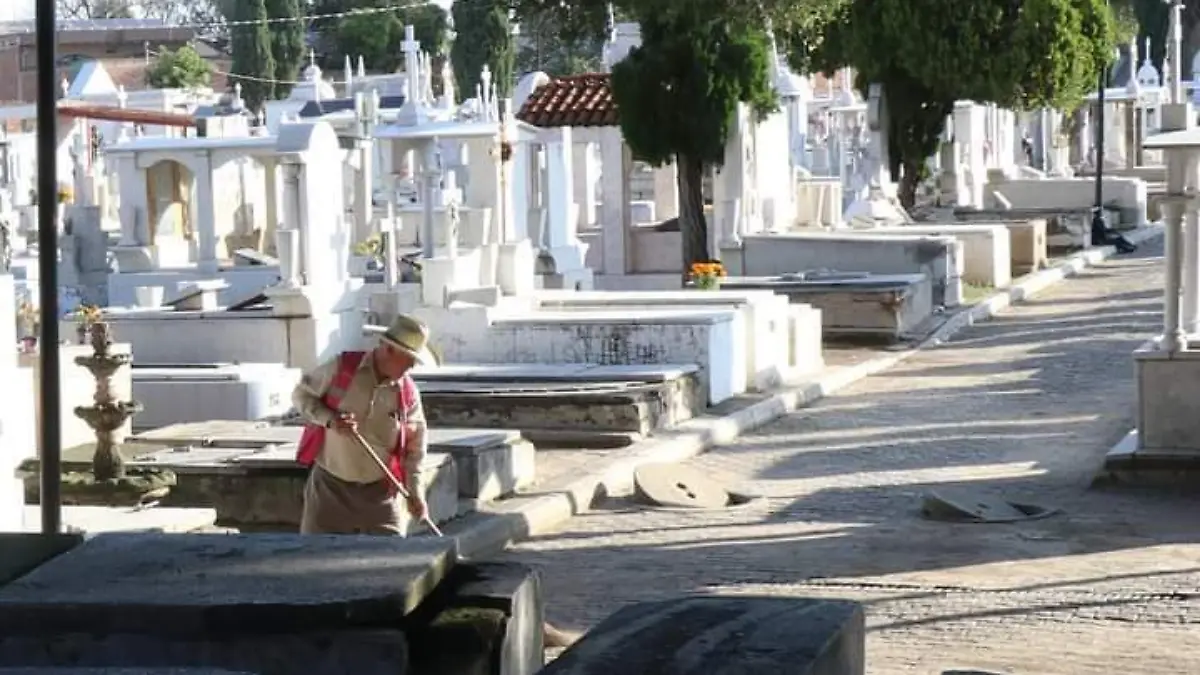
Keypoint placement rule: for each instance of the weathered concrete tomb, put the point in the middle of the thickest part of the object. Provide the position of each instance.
(288, 604)
(723, 636)
(266, 604)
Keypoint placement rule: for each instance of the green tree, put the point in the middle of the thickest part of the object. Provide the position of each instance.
(368, 36)
(182, 68)
(545, 49)
(484, 37)
(287, 43)
(253, 65)
(927, 54)
(678, 94)
(377, 37)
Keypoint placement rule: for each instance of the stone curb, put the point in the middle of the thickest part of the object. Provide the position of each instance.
(542, 514)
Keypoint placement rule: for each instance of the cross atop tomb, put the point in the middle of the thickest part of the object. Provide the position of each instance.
(412, 53)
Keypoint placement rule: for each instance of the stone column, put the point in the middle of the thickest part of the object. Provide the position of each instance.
(271, 185)
(202, 198)
(483, 184)
(1190, 274)
(666, 192)
(614, 202)
(560, 188)
(519, 191)
(288, 236)
(364, 184)
(131, 189)
(585, 177)
(1173, 210)
(429, 177)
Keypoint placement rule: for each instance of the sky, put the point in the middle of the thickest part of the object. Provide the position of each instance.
(16, 10)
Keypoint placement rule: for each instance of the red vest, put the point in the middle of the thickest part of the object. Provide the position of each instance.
(312, 440)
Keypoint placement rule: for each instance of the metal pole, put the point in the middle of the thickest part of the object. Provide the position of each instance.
(47, 187)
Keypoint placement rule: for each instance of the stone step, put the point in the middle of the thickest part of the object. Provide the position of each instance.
(629, 399)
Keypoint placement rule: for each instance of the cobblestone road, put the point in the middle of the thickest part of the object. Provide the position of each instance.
(1026, 406)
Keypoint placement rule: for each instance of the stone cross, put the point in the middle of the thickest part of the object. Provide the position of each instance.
(348, 75)
(412, 51)
(122, 96)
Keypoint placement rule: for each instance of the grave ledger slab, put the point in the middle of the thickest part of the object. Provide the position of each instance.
(723, 636)
(185, 585)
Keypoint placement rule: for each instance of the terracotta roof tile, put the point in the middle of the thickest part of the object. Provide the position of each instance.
(572, 101)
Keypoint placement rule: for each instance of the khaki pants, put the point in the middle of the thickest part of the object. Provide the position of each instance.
(335, 506)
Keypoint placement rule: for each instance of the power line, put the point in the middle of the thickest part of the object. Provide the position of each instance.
(114, 25)
(251, 78)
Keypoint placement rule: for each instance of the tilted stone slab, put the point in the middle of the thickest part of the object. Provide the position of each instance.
(20, 552)
(723, 636)
(362, 652)
(197, 584)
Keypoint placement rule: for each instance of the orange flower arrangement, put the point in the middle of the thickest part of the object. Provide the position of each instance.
(707, 275)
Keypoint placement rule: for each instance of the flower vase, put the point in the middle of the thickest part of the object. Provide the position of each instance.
(29, 344)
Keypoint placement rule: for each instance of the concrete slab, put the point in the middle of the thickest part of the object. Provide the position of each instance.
(57, 670)
(101, 519)
(189, 459)
(565, 372)
(234, 438)
(222, 432)
(742, 635)
(188, 584)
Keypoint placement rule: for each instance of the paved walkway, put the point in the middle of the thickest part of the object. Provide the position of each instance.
(1025, 405)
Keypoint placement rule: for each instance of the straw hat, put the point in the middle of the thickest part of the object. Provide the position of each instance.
(410, 336)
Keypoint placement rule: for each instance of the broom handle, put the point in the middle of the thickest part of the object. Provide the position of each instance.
(366, 447)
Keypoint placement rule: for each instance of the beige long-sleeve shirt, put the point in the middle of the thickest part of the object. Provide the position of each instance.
(373, 402)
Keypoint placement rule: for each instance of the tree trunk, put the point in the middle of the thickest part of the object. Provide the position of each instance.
(693, 229)
(910, 179)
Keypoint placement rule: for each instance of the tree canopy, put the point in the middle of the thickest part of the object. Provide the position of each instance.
(287, 43)
(182, 68)
(928, 54)
(484, 37)
(252, 58)
(377, 36)
(678, 94)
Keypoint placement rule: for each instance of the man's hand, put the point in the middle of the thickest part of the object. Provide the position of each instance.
(345, 422)
(417, 508)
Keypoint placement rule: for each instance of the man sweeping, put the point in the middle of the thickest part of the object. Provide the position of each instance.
(369, 395)
(356, 397)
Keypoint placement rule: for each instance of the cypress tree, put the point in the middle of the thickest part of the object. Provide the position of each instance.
(252, 54)
(484, 37)
(287, 43)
